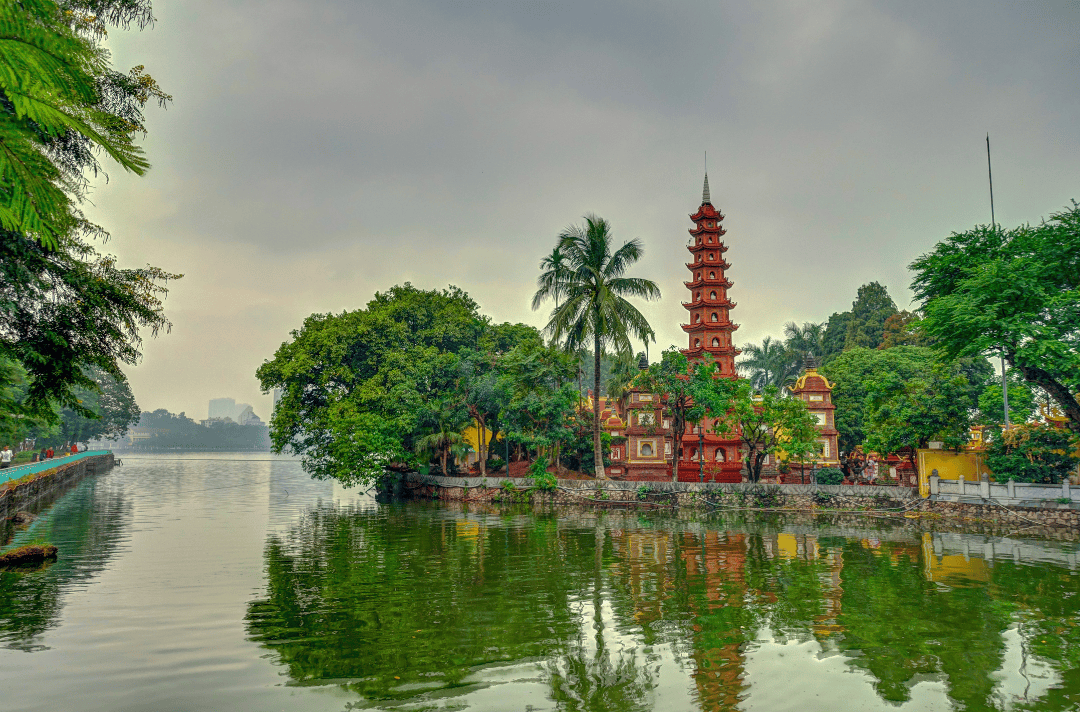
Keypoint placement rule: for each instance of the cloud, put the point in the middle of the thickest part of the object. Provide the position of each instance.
(318, 152)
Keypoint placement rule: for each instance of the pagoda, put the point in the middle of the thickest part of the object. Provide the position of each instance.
(710, 335)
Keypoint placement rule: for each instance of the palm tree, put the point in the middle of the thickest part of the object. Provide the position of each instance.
(551, 279)
(594, 307)
(444, 437)
(771, 363)
(806, 340)
(623, 370)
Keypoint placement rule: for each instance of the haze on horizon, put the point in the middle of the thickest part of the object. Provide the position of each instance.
(318, 152)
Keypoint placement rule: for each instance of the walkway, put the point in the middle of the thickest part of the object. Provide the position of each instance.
(17, 471)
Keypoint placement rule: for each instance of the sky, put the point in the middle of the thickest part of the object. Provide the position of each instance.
(317, 152)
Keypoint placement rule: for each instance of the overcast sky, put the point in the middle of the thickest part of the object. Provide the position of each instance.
(319, 151)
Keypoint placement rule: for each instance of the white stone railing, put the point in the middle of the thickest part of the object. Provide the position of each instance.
(1012, 492)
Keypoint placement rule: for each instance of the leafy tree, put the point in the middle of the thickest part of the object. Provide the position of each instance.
(903, 328)
(1016, 292)
(361, 387)
(114, 411)
(767, 424)
(770, 364)
(671, 378)
(624, 369)
(553, 277)
(871, 309)
(992, 403)
(835, 335)
(1033, 452)
(65, 309)
(169, 431)
(539, 413)
(595, 307)
(910, 412)
(860, 373)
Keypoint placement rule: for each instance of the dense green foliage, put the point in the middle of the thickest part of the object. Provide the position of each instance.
(1033, 452)
(829, 476)
(1016, 291)
(903, 397)
(105, 411)
(65, 309)
(401, 381)
(767, 423)
(671, 378)
(590, 292)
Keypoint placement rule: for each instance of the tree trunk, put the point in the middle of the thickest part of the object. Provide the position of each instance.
(598, 454)
(1061, 395)
(442, 460)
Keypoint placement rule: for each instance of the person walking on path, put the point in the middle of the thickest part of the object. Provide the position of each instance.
(74, 448)
(49, 453)
(5, 457)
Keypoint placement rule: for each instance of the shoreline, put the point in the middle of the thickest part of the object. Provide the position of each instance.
(899, 505)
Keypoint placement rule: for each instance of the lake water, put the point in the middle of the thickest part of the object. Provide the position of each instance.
(218, 582)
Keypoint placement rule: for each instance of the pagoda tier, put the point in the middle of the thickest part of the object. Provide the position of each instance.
(710, 336)
(714, 282)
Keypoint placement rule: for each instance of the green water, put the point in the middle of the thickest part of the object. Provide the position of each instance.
(208, 584)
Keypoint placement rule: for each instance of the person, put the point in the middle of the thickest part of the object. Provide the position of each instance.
(41, 457)
(34, 457)
(5, 457)
(74, 448)
(49, 453)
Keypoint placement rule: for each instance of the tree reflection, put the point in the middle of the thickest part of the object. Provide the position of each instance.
(403, 601)
(86, 524)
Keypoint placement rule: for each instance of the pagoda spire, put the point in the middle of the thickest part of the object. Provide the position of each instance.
(705, 199)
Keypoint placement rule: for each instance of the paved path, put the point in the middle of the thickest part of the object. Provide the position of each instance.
(16, 471)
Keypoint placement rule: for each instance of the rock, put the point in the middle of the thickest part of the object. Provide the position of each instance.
(28, 555)
(22, 518)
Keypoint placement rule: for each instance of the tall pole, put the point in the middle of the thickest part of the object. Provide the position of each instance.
(993, 223)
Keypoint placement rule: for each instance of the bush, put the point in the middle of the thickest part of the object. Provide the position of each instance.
(495, 464)
(542, 479)
(830, 476)
(823, 499)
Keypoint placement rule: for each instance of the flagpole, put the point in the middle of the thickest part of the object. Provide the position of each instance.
(993, 223)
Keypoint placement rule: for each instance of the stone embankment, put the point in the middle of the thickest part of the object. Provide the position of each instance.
(22, 494)
(852, 499)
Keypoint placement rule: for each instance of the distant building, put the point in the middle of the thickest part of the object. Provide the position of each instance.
(222, 408)
(247, 416)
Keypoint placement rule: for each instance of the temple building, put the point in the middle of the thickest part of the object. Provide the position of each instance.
(707, 455)
(642, 439)
(816, 391)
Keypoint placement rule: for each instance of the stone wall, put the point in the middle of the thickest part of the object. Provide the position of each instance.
(24, 495)
(854, 499)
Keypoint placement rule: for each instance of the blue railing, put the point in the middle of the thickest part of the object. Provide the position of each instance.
(16, 471)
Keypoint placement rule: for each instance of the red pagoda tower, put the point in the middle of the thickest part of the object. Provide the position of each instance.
(710, 332)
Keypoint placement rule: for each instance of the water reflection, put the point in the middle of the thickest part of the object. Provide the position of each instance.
(429, 606)
(87, 524)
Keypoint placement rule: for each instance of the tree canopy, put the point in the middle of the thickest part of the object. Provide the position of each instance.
(65, 309)
(1017, 292)
(877, 389)
(767, 423)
